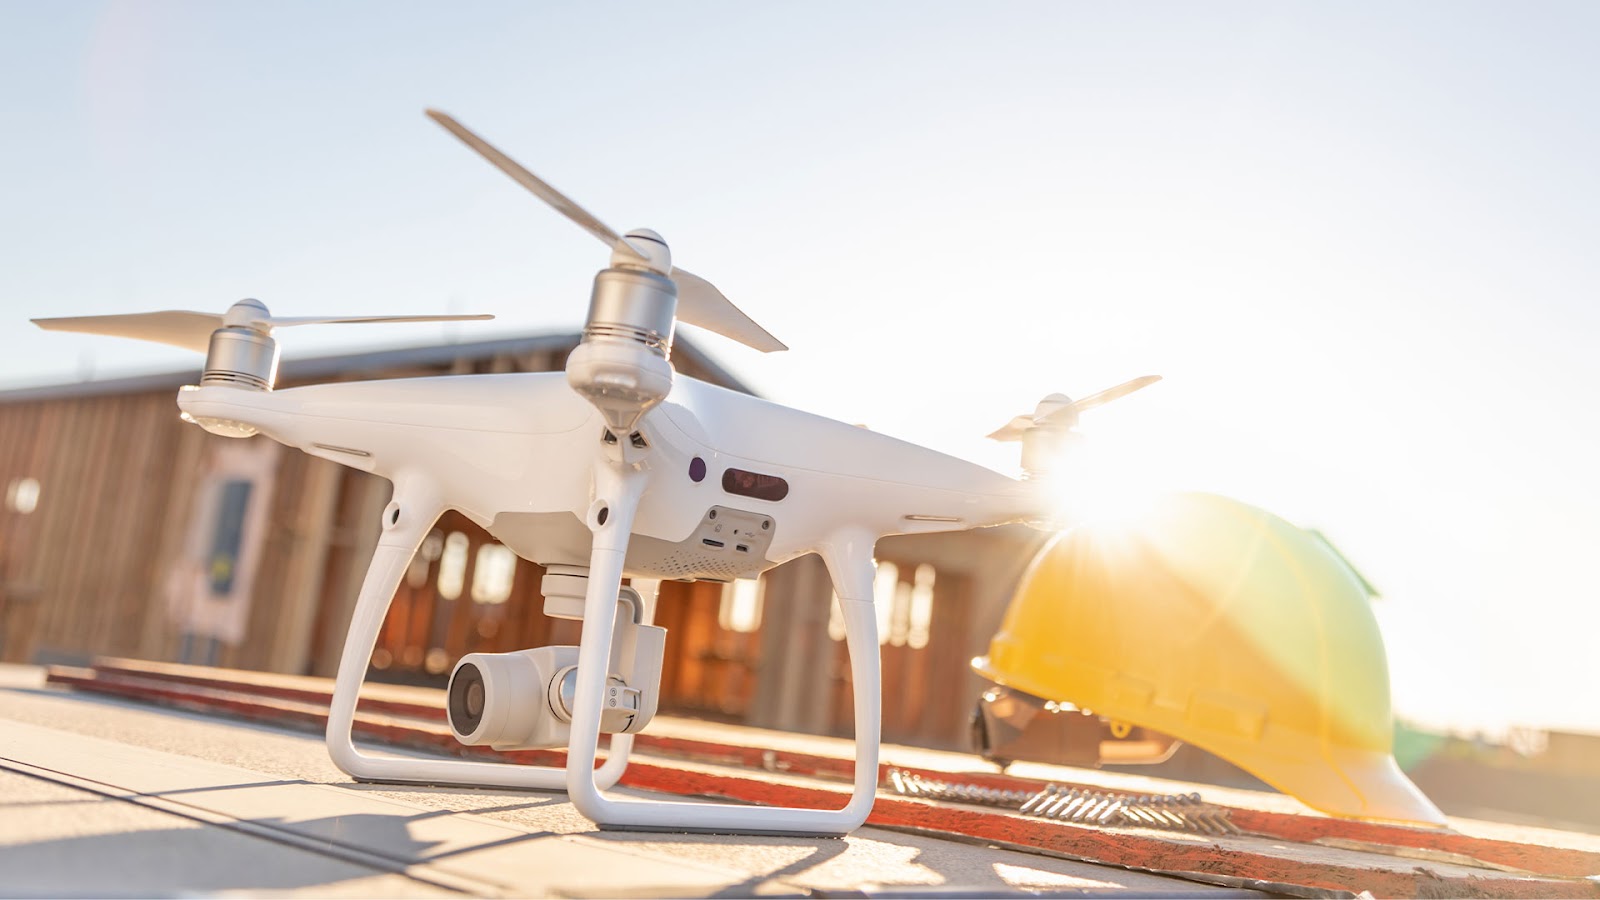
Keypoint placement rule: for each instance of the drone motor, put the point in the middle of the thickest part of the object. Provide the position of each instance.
(622, 364)
(1048, 431)
(239, 354)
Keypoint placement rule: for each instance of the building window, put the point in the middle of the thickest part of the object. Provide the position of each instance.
(437, 662)
(741, 606)
(920, 618)
(905, 611)
(884, 589)
(422, 560)
(22, 495)
(453, 566)
(493, 574)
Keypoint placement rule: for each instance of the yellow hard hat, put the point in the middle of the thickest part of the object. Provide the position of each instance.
(1224, 626)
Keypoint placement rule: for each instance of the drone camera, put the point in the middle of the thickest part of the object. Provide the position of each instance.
(523, 700)
(499, 699)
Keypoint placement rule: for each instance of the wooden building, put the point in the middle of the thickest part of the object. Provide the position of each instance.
(106, 501)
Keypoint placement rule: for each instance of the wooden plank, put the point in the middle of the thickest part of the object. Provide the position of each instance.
(307, 557)
(347, 567)
(86, 620)
(144, 569)
(265, 629)
(159, 637)
(19, 617)
(61, 542)
(118, 522)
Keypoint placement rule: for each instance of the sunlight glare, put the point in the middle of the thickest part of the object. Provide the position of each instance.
(1094, 483)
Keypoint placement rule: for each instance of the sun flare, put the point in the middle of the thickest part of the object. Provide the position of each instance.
(1093, 483)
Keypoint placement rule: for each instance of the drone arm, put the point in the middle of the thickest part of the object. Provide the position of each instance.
(849, 558)
(406, 521)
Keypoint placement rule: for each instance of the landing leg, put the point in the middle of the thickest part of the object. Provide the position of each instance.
(406, 521)
(849, 558)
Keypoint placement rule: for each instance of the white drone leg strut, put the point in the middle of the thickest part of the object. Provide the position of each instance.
(618, 488)
(406, 521)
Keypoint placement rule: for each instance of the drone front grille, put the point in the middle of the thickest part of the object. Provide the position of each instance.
(689, 564)
(730, 543)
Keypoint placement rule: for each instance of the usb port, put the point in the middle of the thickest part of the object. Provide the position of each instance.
(741, 548)
(710, 543)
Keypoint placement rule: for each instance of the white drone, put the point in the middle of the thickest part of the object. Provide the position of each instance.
(615, 469)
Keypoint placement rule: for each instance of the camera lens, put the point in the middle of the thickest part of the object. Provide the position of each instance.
(466, 699)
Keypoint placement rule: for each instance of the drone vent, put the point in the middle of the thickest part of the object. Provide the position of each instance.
(676, 562)
(687, 564)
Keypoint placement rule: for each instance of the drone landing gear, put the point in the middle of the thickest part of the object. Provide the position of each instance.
(618, 487)
(849, 559)
(406, 522)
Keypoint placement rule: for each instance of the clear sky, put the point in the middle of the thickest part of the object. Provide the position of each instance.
(1358, 239)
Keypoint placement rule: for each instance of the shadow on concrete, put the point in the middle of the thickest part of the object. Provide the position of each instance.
(530, 800)
(823, 850)
(168, 862)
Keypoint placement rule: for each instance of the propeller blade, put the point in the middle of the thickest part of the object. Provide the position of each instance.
(1012, 430)
(179, 328)
(192, 330)
(1100, 399)
(700, 303)
(560, 202)
(1056, 411)
(282, 321)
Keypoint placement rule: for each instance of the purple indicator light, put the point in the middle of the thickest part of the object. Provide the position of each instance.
(697, 470)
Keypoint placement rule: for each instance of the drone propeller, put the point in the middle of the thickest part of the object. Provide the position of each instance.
(193, 330)
(699, 301)
(1058, 411)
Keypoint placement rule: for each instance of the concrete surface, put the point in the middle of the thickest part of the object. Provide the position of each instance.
(106, 798)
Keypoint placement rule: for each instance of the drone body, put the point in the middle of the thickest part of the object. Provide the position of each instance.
(618, 468)
(513, 452)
